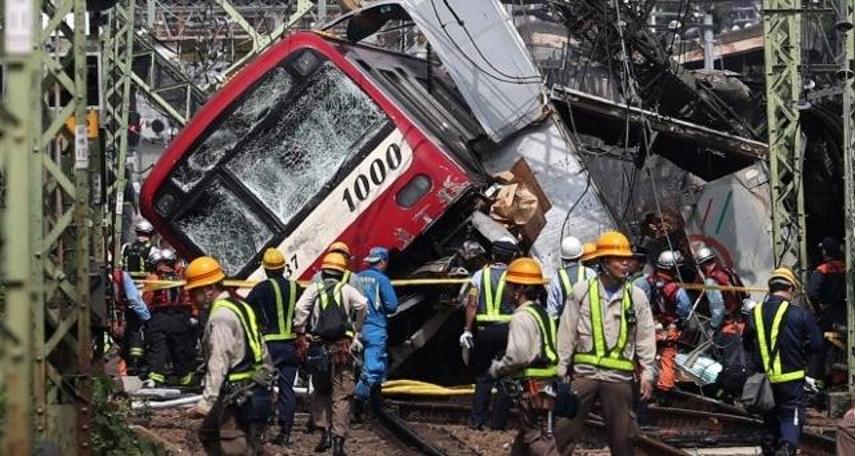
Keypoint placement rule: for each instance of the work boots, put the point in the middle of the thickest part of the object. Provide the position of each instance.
(338, 446)
(283, 438)
(326, 441)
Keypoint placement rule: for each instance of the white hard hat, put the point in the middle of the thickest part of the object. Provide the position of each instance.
(168, 255)
(669, 259)
(144, 226)
(704, 254)
(748, 305)
(571, 248)
(154, 256)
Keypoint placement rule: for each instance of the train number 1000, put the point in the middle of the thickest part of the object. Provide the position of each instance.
(377, 172)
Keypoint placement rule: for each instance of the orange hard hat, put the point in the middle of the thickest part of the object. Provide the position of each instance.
(340, 247)
(335, 261)
(785, 274)
(588, 250)
(525, 271)
(273, 259)
(203, 271)
(614, 244)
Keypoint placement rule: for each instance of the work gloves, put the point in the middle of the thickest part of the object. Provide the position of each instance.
(355, 345)
(494, 368)
(467, 340)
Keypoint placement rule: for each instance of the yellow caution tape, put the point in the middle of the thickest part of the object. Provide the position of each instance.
(153, 285)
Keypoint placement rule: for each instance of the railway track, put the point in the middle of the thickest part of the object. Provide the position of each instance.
(704, 423)
(422, 437)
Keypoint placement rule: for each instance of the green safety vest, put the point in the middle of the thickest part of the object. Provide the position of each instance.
(285, 316)
(254, 355)
(492, 303)
(613, 359)
(581, 275)
(547, 365)
(773, 368)
(324, 299)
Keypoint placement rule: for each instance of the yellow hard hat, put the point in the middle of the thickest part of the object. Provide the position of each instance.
(524, 271)
(588, 250)
(340, 247)
(785, 274)
(612, 243)
(203, 271)
(273, 259)
(335, 261)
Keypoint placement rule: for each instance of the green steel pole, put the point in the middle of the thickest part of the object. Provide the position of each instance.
(21, 20)
(848, 82)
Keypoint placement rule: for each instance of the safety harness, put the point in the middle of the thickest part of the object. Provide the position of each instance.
(547, 364)
(283, 315)
(324, 299)
(773, 368)
(253, 356)
(599, 357)
(492, 303)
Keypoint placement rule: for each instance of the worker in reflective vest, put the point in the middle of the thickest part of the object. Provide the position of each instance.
(490, 308)
(170, 335)
(235, 402)
(826, 289)
(606, 326)
(782, 337)
(572, 272)
(328, 320)
(348, 277)
(273, 301)
(531, 357)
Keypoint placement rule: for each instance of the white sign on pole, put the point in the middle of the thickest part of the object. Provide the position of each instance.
(19, 27)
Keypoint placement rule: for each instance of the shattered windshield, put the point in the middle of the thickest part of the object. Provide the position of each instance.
(219, 224)
(304, 144)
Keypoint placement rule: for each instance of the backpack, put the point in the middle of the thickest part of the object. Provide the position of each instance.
(331, 322)
(134, 257)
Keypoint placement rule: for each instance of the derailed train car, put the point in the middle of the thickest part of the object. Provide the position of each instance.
(323, 139)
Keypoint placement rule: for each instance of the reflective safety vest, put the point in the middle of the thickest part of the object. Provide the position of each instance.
(284, 316)
(254, 355)
(566, 284)
(547, 363)
(492, 312)
(345, 278)
(599, 356)
(773, 368)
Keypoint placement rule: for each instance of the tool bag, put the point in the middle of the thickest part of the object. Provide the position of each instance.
(317, 360)
(757, 395)
(541, 393)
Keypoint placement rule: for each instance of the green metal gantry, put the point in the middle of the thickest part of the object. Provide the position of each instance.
(782, 33)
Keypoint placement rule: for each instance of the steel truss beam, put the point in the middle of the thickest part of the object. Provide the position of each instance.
(782, 31)
(60, 205)
(848, 85)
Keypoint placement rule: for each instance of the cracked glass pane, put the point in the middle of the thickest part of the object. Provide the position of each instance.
(299, 147)
(220, 224)
(222, 137)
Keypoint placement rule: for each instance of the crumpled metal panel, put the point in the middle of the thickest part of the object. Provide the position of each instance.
(486, 58)
(553, 160)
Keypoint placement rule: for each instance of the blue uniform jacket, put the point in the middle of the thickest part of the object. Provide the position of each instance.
(382, 300)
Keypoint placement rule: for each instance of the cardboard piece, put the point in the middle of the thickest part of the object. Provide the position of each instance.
(520, 202)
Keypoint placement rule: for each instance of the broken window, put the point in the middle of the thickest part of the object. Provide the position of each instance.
(299, 147)
(222, 138)
(221, 224)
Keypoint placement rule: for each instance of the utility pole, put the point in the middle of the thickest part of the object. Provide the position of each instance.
(782, 52)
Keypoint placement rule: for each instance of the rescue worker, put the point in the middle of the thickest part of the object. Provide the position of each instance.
(782, 336)
(725, 306)
(826, 290)
(490, 307)
(331, 312)
(530, 357)
(671, 306)
(132, 308)
(273, 301)
(382, 302)
(572, 272)
(169, 334)
(606, 326)
(135, 254)
(736, 362)
(238, 369)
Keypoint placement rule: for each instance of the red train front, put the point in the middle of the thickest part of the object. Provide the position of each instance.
(315, 141)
